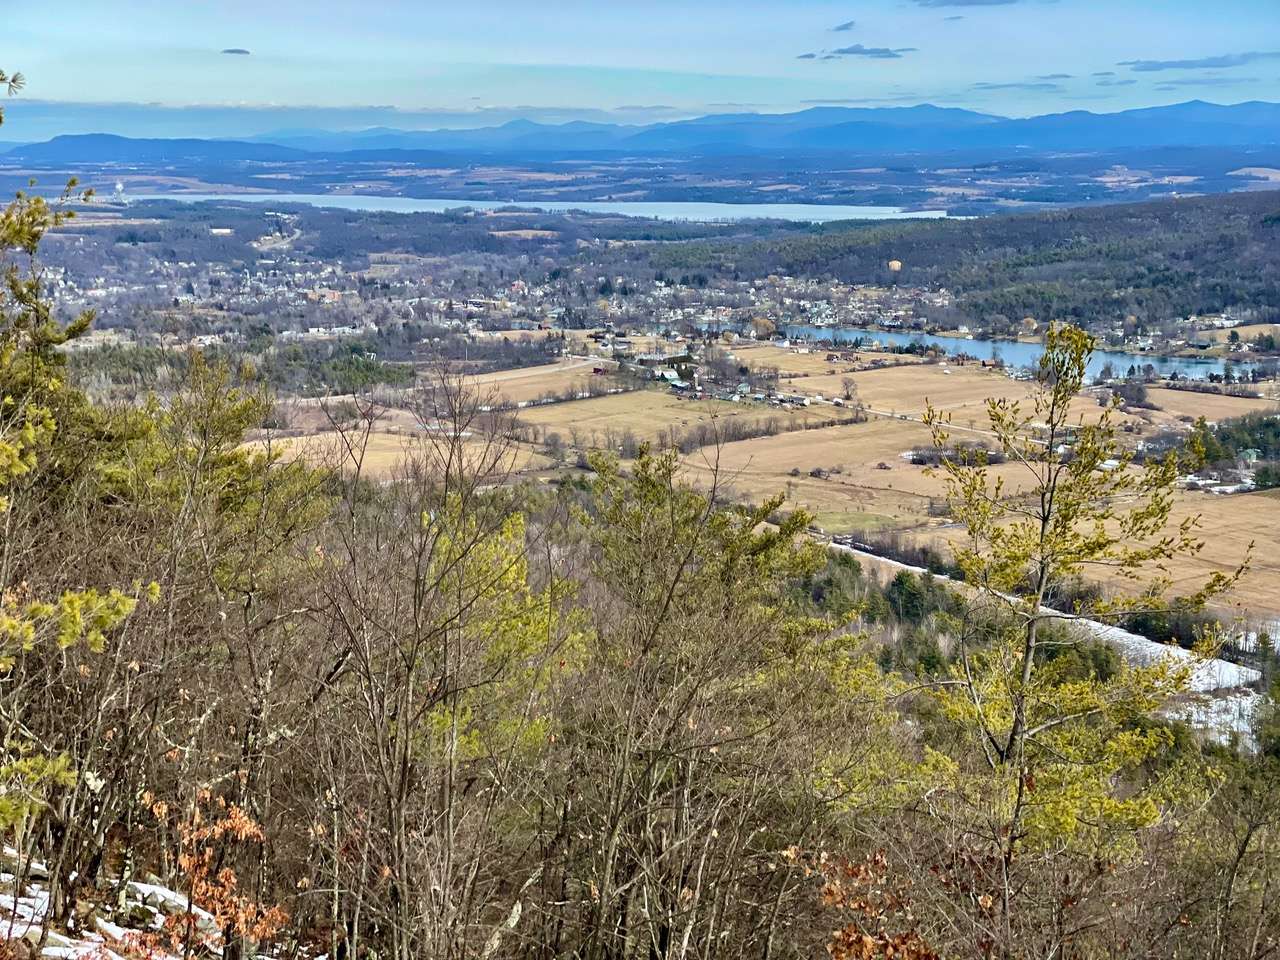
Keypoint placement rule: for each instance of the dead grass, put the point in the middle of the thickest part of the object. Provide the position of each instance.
(579, 341)
(835, 472)
(1228, 524)
(843, 473)
(532, 383)
(524, 234)
(385, 452)
(851, 493)
(812, 362)
(1246, 331)
(649, 414)
(1211, 406)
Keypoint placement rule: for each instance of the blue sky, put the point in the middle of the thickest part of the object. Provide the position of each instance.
(426, 64)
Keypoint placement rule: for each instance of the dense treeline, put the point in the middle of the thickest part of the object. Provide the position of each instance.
(307, 368)
(1157, 261)
(314, 369)
(1258, 431)
(178, 231)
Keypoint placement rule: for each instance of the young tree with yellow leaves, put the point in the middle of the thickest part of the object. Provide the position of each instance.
(1044, 793)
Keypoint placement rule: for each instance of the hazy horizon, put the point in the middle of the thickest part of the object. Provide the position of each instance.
(236, 69)
(33, 120)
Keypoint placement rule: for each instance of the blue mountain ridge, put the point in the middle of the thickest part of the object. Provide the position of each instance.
(923, 128)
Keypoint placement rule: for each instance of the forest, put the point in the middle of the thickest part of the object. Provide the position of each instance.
(1094, 266)
(452, 715)
(176, 231)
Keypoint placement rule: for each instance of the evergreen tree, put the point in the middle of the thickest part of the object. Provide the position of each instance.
(36, 405)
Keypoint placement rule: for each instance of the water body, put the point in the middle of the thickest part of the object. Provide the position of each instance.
(656, 210)
(1021, 355)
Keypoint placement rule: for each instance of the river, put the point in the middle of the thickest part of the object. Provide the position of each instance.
(1017, 354)
(656, 210)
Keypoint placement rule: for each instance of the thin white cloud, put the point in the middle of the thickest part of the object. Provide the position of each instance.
(1032, 86)
(874, 53)
(1202, 63)
(1181, 82)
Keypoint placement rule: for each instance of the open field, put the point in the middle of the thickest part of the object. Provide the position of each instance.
(789, 362)
(861, 477)
(531, 383)
(579, 341)
(515, 334)
(806, 361)
(649, 414)
(962, 391)
(1245, 331)
(1228, 525)
(852, 476)
(853, 492)
(384, 452)
(516, 386)
(1211, 406)
(525, 234)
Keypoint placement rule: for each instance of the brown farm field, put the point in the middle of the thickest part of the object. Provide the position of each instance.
(384, 452)
(849, 476)
(525, 234)
(852, 493)
(853, 476)
(1246, 331)
(804, 362)
(851, 490)
(532, 383)
(579, 341)
(907, 390)
(649, 414)
(1211, 406)
(1228, 524)
(961, 391)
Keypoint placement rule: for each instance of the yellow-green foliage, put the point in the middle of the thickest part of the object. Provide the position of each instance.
(26, 779)
(504, 628)
(648, 522)
(877, 770)
(190, 459)
(31, 389)
(30, 376)
(1053, 761)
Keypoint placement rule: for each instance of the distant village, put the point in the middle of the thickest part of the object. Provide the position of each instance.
(302, 298)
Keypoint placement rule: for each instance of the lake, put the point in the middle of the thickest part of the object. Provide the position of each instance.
(1020, 355)
(656, 210)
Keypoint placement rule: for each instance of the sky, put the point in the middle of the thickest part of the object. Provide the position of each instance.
(233, 67)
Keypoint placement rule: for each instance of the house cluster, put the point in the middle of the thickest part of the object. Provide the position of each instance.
(295, 292)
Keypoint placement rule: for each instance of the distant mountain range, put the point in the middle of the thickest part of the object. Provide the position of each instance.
(108, 148)
(865, 131)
